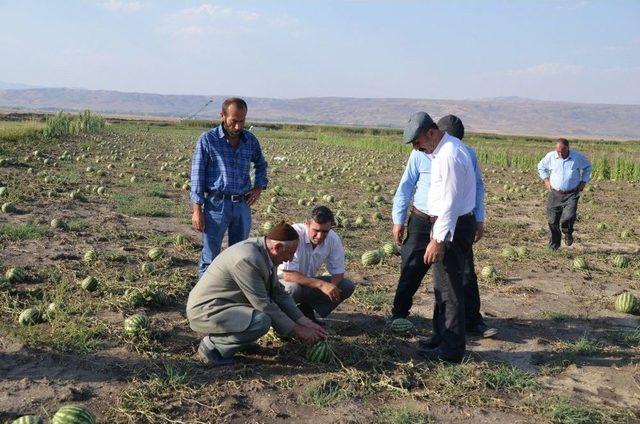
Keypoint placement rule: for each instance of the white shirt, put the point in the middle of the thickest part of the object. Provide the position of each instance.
(307, 260)
(453, 186)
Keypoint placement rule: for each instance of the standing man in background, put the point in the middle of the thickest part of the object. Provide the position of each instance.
(565, 173)
(221, 191)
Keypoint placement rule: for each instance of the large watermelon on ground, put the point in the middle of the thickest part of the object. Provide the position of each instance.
(15, 275)
(626, 303)
(401, 326)
(29, 316)
(74, 414)
(620, 261)
(488, 272)
(370, 258)
(136, 324)
(90, 283)
(320, 352)
(155, 253)
(579, 263)
(390, 249)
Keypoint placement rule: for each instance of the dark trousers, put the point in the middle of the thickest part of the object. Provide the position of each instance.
(561, 215)
(471, 292)
(449, 310)
(413, 267)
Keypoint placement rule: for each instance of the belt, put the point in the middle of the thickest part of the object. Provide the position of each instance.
(565, 192)
(433, 219)
(233, 197)
(423, 215)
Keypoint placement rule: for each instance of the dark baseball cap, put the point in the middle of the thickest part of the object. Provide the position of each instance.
(452, 125)
(417, 122)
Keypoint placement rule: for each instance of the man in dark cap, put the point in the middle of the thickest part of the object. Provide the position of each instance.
(441, 230)
(565, 174)
(239, 298)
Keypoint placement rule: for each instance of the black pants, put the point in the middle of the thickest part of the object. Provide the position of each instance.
(449, 310)
(561, 215)
(414, 269)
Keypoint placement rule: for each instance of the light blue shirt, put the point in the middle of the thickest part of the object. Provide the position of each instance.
(416, 180)
(565, 174)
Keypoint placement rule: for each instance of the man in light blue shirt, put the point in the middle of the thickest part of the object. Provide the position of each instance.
(565, 173)
(415, 184)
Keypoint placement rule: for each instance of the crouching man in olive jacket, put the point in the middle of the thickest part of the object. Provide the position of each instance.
(239, 298)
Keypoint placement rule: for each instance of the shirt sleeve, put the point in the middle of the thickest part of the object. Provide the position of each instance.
(335, 260)
(405, 191)
(249, 278)
(260, 167)
(478, 211)
(444, 227)
(586, 169)
(543, 167)
(199, 164)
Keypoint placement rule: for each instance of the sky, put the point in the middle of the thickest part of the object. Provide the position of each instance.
(568, 50)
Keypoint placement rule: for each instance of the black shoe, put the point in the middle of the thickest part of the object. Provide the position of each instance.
(308, 312)
(430, 343)
(482, 330)
(213, 357)
(568, 239)
(437, 356)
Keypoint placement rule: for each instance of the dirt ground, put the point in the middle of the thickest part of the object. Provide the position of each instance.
(557, 326)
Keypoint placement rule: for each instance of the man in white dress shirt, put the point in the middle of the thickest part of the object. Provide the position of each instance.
(319, 245)
(450, 206)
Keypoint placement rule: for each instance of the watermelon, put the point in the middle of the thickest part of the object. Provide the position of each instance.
(155, 253)
(267, 226)
(579, 263)
(8, 207)
(90, 256)
(401, 326)
(15, 275)
(89, 284)
(601, 226)
(148, 267)
(3, 191)
(74, 414)
(28, 419)
(136, 324)
(360, 221)
(320, 352)
(620, 261)
(509, 252)
(488, 271)
(100, 190)
(625, 234)
(390, 249)
(58, 223)
(371, 257)
(179, 240)
(626, 303)
(521, 252)
(29, 316)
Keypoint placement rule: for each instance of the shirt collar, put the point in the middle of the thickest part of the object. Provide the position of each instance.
(220, 133)
(568, 156)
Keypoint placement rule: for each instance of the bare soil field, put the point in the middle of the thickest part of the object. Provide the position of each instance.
(563, 354)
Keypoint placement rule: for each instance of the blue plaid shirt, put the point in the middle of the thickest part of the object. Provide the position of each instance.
(216, 166)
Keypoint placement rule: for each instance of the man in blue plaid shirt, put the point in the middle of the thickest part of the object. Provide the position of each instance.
(221, 191)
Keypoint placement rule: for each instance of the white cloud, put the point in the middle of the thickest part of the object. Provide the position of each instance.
(546, 70)
(126, 6)
(208, 18)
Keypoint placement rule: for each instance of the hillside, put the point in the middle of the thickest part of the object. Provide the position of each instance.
(503, 115)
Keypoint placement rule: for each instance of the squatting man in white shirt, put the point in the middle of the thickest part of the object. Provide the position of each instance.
(319, 245)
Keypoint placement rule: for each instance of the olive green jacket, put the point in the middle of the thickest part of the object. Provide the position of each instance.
(240, 280)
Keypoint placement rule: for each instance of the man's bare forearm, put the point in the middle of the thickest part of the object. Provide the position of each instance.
(196, 207)
(303, 280)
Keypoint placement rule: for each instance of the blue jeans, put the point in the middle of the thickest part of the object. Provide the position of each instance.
(219, 216)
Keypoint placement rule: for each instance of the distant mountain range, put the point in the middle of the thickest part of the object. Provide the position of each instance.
(505, 115)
